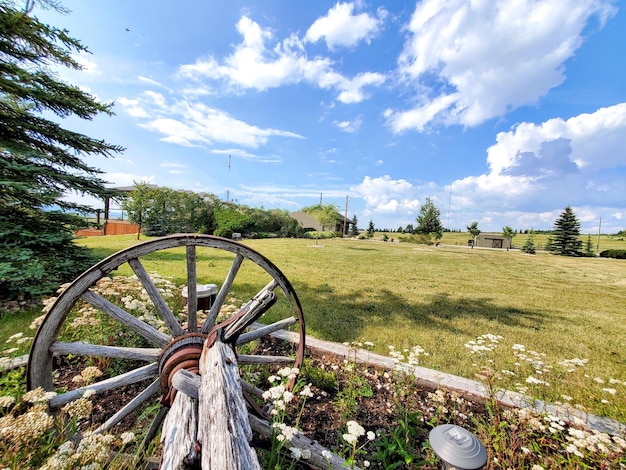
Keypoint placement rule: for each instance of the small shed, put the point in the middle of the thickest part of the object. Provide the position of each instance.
(490, 240)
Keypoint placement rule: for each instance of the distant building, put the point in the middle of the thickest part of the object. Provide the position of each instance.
(309, 222)
(490, 240)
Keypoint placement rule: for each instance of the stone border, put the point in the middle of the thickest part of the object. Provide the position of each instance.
(467, 388)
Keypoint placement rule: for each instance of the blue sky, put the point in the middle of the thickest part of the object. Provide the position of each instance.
(502, 112)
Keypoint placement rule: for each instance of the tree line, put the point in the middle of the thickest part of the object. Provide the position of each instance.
(162, 211)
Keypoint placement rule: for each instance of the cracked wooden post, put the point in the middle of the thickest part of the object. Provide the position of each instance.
(224, 431)
(209, 424)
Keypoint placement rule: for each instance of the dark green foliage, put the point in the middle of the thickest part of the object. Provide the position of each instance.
(163, 211)
(614, 253)
(589, 248)
(566, 240)
(224, 232)
(370, 229)
(354, 229)
(38, 253)
(39, 159)
(529, 245)
(428, 220)
(473, 229)
(418, 238)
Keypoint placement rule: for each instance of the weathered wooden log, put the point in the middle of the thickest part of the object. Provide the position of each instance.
(223, 429)
(321, 457)
(179, 434)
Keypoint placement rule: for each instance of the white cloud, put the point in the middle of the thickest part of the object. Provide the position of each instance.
(596, 141)
(384, 195)
(194, 124)
(254, 65)
(472, 61)
(342, 28)
(87, 64)
(246, 156)
(537, 167)
(126, 179)
(148, 81)
(350, 126)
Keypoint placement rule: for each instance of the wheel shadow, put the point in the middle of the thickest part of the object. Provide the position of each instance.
(343, 318)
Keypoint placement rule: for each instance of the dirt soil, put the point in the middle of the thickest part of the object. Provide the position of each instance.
(324, 416)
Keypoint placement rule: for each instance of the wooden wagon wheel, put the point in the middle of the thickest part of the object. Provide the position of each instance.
(181, 347)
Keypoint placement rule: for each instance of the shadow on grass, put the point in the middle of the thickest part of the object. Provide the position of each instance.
(343, 318)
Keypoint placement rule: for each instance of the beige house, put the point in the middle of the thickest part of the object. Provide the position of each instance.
(309, 222)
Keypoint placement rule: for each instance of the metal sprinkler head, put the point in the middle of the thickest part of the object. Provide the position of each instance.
(457, 447)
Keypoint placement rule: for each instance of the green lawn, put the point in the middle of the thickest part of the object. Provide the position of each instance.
(440, 298)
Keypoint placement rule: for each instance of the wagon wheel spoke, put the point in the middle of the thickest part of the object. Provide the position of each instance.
(136, 375)
(141, 328)
(94, 350)
(221, 295)
(131, 406)
(256, 307)
(264, 330)
(154, 428)
(192, 296)
(244, 359)
(156, 297)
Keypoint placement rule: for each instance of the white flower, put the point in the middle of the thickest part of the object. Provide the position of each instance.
(15, 336)
(326, 454)
(127, 437)
(371, 436)
(350, 438)
(355, 428)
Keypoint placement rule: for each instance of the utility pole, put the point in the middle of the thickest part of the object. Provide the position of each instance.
(345, 218)
(320, 199)
(599, 230)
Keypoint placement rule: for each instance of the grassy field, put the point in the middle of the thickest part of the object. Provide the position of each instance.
(440, 298)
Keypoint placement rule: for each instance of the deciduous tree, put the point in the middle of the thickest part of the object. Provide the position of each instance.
(324, 214)
(429, 220)
(474, 231)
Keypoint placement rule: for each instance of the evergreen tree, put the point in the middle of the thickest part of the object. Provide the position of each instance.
(529, 245)
(371, 229)
(589, 247)
(429, 221)
(354, 230)
(567, 240)
(39, 159)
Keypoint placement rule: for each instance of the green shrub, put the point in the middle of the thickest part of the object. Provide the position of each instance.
(418, 238)
(224, 232)
(319, 235)
(614, 253)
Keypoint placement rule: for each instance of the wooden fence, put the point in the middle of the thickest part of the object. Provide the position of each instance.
(111, 227)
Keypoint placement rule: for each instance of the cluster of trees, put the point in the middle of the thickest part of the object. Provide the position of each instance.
(161, 211)
(564, 240)
(39, 159)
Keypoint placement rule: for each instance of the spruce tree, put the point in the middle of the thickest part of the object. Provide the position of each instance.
(567, 240)
(39, 159)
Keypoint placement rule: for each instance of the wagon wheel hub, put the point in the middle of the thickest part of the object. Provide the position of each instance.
(182, 353)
